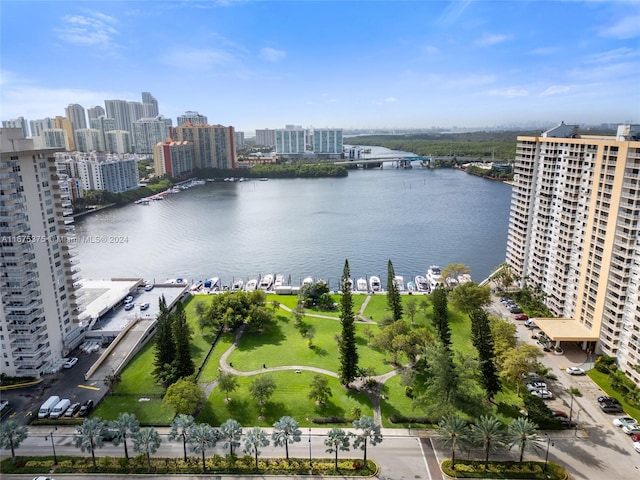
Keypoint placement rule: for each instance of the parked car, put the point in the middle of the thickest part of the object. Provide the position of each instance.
(148, 288)
(565, 423)
(636, 446)
(521, 316)
(635, 437)
(631, 429)
(605, 399)
(536, 386)
(129, 299)
(72, 410)
(144, 306)
(574, 371)
(544, 394)
(70, 362)
(610, 407)
(85, 408)
(515, 309)
(128, 306)
(559, 413)
(622, 421)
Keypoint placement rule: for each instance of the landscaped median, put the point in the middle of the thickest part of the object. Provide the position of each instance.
(504, 470)
(216, 464)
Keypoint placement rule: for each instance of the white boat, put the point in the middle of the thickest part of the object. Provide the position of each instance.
(266, 283)
(213, 284)
(398, 281)
(374, 283)
(411, 287)
(251, 285)
(279, 281)
(451, 282)
(464, 278)
(237, 285)
(361, 285)
(434, 277)
(307, 280)
(422, 285)
(176, 281)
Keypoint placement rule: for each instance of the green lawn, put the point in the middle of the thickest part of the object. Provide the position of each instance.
(602, 379)
(396, 403)
(210, 371)
(291, 301)
(148, 412)
(290, 398)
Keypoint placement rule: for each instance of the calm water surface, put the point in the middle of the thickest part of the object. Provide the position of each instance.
(306, 227)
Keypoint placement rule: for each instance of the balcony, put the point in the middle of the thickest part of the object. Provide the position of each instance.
(25, 318)
(21, 308)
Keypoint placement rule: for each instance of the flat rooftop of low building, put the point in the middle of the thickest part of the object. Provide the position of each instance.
(565, 330)
(99, 296)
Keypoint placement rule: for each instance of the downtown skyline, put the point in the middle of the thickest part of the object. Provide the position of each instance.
(349, 65)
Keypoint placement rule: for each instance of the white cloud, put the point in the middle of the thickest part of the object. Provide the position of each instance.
(489, 39)
(625, 28)
(556, 90)
(272, 54)
(509, 92)
(453, 12)
(622, 53)
(92, 30)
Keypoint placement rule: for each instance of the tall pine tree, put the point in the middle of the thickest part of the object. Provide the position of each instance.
(393, 294)
(482, 339)
(441, 316)
(348, 348)
(164, 348)
(183, 363)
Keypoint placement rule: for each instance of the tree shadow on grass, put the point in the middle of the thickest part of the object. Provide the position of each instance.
(271, 336)
(321, 352)
(272, 411)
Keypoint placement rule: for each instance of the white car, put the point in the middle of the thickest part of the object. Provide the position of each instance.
(129, 299)
(70, 362)
(623, 421)
(631, 429)
(575, 371)
(636, 446)
(544, 394)
(536, 386)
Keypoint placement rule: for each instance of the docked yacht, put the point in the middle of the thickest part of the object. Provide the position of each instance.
(411, 287)
(307, 280)
(361, 285)
(213, 284)
(266, 283)
(434, 277)
(422, 285)
(398, 281)
(237, 285)
(251, 285)
(279, 281)
(374, 283)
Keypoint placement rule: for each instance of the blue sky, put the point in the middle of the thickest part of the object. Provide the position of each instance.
(381, 64)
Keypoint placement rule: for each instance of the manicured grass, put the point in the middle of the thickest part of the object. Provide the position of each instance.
(396, 403)
(290, 398)
(377, 308)
(136, 376)
(602, 379)
(506, 470)
(151, 412)
(210, 370)
(291, 301)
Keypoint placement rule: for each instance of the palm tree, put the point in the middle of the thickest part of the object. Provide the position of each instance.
(126, 423)
(90, 435)
(147, 441)
(487, 431)
(286, 431)
(524, 433)
(231, 432)
(370, 433)
(179, 428)
(337, 440)
(255, 439)
(200, 438)
(12, 435)
(453, 429)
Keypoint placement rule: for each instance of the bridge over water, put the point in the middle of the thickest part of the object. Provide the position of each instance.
(400, 160)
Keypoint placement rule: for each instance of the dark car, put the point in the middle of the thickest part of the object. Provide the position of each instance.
(72, 410)
(605, 399)
(565, 423)
(515, 309)
(85, 408)
(610, 407)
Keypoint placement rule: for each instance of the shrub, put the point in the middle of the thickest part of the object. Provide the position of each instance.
(395, 418)
(324, 420)
(408, 391)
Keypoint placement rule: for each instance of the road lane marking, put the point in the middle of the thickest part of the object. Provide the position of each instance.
(88, 387)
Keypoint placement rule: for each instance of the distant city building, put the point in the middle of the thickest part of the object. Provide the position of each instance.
(193, 118)
(147, 132)
(103, 125)
(100, 171)
(174, 159)
(54, 138)
(291, 141)
(136, 111)
(37, 126)
(573, 236)
(20, 123)
(89, 140)
(118, 141)
(213, 145)
(149, 105)
(327, 141)
(119, 110)
(77, 115)
(65, 124)
(39, 312)
(266, 137)
(238, 139)
(96, 112)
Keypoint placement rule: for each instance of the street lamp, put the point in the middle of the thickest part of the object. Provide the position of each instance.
(310, 464)
(53, 445)
(546, 457)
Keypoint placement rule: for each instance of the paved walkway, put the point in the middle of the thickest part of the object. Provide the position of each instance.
(360, 384)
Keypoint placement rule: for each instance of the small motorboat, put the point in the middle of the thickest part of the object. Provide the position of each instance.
(374, 283)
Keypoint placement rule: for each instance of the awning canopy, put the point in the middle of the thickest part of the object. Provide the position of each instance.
(565, 330)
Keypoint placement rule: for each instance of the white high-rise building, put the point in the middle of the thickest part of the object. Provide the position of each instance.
(291, 141)
(77, 115)
(95, 112)
(37, 126)
(100, 171)
(574, 234)
(194, 118)
(266, 137)
(20, 123)
(39, 315)
(89, 139)
(119, 111)
(103, 125)
(149, 105)
(118, 141)
(55, 138)
(327, 141)
(147, 132)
